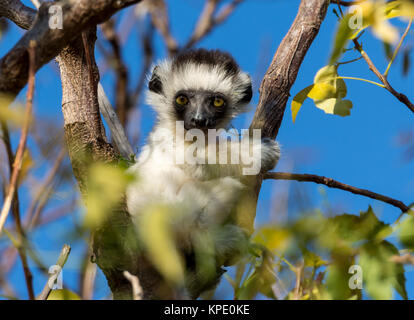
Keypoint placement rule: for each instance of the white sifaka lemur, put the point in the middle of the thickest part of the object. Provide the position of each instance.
(194, 93)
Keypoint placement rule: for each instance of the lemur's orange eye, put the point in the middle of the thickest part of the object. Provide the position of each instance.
(181, 100)
(218, 102)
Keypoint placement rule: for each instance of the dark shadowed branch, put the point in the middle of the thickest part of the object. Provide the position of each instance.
(77, 16)
(329, 182)
(17, 12)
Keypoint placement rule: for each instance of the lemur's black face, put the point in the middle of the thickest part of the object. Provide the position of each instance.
(203, 88)
(200, 109)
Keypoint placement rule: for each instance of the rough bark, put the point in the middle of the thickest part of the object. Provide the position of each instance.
(17, 12)
(282, 73)
(115, 243)
(77, 16)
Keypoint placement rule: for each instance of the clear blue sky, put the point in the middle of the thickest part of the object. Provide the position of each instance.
(360, 150)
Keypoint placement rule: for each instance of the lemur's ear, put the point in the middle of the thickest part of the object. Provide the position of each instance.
(155, 84)
(247, 94)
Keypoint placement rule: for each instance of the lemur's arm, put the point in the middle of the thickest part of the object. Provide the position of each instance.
(254, 157)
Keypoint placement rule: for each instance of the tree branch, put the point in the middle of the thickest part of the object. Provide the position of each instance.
(344, 3)
(17, 12)
(77, 16)
(382, 77)
(278, 80)
(208, 20)
(117, 130)
(22, 239)
(337, 185)
(18, 161)
(136, 287)
(63, 257)
(401, 97)
(160, 20)
(282, 73)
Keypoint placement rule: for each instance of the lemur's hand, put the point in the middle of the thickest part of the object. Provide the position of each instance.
(270, 154)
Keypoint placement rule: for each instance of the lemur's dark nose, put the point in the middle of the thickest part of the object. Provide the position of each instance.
(199, 122)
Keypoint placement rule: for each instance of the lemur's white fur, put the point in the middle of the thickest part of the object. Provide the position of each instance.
(202, 200)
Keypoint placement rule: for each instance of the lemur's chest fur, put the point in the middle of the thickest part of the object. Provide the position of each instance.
(188, 185)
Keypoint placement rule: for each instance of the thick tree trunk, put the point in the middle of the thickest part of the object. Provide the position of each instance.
(115, 243)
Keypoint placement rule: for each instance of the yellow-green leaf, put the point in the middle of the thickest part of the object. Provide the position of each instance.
(327, 74)
(313, 260)
(298, 101)
(322, 91)
(272, 238)
(335, 106)
(156, 233)
(342, 37)
(106, 187)
(63, 294)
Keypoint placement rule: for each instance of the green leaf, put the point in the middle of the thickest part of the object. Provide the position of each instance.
(298, 101)
(337, 281)
(322, 91)
(406, 232)
(260, 281)
(406, 62)
(326, 74)
(376, 15)
(327, 93)
(342, 37)
(335, 106)
(354, 228)
(388, 50)
(311, 259)
(156, 232)
(63, 294)
(106, 187)
(380, 274)
(273, 238)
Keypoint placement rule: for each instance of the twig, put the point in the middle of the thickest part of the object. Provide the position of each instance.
(63, 257)
(349, 61)
(136, 287)
(382, 77)
(148, 57)
(21, 248)
(88, 275)
(122, 101)
(17, 165)
(401, 97)
(42, 193)
(117, 130)
(337, 185)
(344, 3)
(403, 259)
(298, 273)
(204, 22)
(208, 21)
(36, 3)
(159, 17)
(397, 49)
